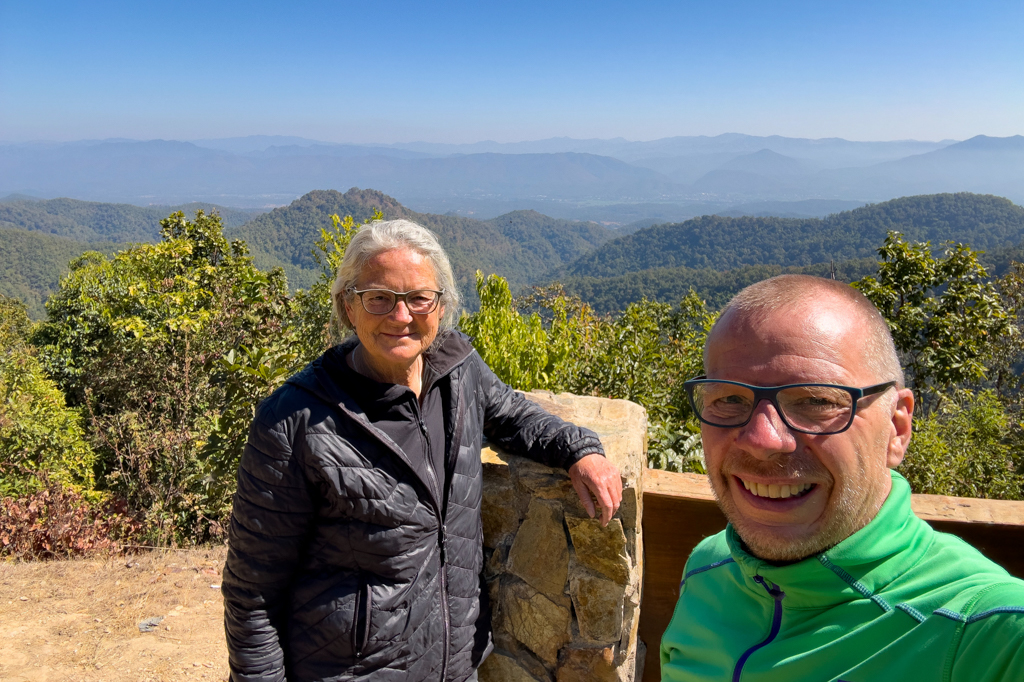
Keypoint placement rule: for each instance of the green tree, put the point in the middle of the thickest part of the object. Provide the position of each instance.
(134, 341)
(42, 441)
(552, 341)
(944, 313)
(967, 448)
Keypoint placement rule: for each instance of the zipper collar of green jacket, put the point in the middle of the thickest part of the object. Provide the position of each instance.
(859, 567)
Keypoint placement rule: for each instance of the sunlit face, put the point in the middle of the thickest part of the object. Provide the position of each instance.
(394, 341)
(790, 494)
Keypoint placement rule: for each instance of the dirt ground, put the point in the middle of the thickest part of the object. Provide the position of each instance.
(79, 620)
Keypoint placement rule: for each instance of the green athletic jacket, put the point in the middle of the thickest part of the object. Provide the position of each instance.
(894, 601)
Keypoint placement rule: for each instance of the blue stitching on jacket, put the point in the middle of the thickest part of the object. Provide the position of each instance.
(911, 611)
(952, 615)
(704, 568)
(991, 612)
(855, 584)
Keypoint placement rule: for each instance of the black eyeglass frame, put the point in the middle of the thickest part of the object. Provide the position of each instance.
(770, 393)
(399, 296)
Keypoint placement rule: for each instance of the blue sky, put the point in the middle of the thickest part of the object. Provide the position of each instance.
(387, 71)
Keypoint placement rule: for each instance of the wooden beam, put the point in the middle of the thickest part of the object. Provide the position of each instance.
(927, 507)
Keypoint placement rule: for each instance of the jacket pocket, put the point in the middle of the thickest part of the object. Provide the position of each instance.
(361, 618)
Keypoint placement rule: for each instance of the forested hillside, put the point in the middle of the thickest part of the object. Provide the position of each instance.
(717, 256)
(523, 245)
(983, 221)
(31, 264)
(38, 238)
(716, 287)
(91, 221)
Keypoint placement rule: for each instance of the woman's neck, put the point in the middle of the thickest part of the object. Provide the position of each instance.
(412, 375)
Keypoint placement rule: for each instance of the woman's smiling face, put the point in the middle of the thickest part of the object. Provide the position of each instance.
(393, 342)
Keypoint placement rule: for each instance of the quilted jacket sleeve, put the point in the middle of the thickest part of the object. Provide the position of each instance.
(269, 523)
(522, 427)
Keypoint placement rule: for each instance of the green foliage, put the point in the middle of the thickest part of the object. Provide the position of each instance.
(644, 356)
(41, 439)
(135, 341)
(513, 345)
(676, 447)
(967, 448)
(944, 314)
(249, 374)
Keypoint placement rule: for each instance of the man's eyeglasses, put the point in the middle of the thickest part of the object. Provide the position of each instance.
(818, 409)
(383, 301)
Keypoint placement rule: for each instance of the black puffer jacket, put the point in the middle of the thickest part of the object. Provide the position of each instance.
(347, 560)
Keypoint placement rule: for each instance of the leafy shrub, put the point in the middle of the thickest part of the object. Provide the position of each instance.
(946, 317)
(134, 340)
(552, 341)
(39, 434)
(967, 448)
(514, 346)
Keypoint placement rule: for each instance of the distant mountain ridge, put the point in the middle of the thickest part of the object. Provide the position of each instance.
(32, 263)
(714, 254)
(982, 221)
(664, 260)
(522, 245)
(574, 179)
(90, 221)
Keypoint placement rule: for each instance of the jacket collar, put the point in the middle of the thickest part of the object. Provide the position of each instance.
(860, 566)
(316, 377)
(443, 356)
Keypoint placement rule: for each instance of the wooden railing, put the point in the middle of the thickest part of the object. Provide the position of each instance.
(680, 510)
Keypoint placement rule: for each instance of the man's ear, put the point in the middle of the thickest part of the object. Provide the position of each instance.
(902, 423)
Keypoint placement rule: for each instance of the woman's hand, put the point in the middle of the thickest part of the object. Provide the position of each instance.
(594, 477)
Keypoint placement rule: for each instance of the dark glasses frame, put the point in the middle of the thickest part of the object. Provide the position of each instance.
(770, 393)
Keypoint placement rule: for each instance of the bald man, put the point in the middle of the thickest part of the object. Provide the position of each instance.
(824, 573)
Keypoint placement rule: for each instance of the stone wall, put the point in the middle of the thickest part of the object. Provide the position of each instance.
(565, 592)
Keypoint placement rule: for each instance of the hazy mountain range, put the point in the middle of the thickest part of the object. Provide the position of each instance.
(715, 255)
(612, 181)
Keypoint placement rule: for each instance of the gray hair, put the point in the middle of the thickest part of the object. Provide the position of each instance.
(761, 299)
(385, 235)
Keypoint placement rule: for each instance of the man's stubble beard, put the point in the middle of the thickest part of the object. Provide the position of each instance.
(843, 515)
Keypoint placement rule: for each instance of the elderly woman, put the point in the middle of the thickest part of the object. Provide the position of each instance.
(356, 545)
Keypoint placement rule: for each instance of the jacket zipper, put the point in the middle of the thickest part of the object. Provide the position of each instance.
(361, 635)
(441, 541)
(442, 537)
(775, 593)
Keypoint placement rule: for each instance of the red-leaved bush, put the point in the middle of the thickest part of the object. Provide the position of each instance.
(57, 522)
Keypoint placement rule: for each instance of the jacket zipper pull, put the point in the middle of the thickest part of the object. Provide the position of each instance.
(772, 590)
(777, 595)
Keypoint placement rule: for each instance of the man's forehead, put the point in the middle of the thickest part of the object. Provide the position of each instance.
(792, 343)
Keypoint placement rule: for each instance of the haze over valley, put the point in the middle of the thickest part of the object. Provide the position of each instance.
(615, 182)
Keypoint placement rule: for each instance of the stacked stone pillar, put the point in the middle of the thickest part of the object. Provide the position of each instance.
(565, 591)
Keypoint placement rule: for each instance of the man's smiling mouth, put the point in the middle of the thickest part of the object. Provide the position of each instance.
(776, 491)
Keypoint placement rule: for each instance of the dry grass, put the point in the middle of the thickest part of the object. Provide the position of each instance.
(78, 620)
